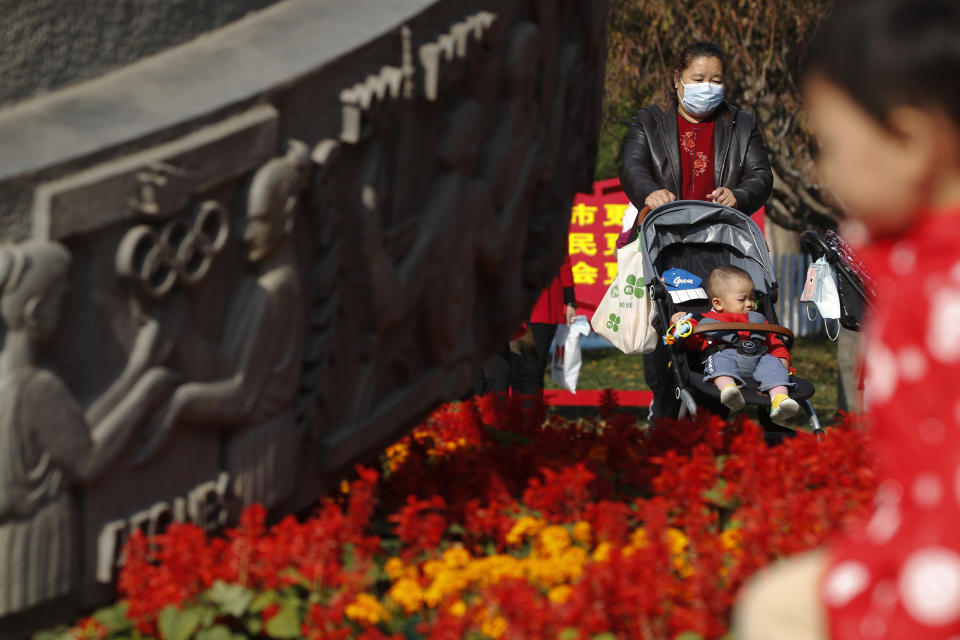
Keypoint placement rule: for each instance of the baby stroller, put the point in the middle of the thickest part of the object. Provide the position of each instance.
(698, 236)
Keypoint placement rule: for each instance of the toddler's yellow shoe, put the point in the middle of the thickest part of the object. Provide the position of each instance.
(731, 398)
(782, 408)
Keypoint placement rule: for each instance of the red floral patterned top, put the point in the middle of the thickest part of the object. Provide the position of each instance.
(696, 158)
(898, 575)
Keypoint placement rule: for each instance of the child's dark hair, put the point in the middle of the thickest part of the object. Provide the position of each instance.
(889, 53)
(701, 49)
(720, 278)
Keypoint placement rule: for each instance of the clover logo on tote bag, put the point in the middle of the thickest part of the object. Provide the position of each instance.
(623, 315)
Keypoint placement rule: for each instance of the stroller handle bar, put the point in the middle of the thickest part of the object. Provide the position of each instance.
(744, 326)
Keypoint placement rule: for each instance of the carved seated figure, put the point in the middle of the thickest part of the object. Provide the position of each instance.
(260, 357)
(47, 441)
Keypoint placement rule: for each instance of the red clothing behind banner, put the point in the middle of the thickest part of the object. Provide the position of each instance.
(696, 158)
(898, 575)
(549, 308)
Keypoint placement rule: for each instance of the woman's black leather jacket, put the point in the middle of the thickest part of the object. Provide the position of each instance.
(651, 156)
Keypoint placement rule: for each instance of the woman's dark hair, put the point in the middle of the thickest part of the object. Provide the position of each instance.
(888, 53)
(702, 49)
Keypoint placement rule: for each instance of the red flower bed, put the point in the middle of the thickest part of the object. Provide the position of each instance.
(487, 522)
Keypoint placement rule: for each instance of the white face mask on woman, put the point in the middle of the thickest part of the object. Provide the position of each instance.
(700, 98)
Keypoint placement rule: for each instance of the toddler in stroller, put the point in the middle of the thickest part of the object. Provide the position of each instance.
(730, 355)
(698, 237)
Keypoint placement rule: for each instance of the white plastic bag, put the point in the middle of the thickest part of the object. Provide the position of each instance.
(567, 356)
(629, 217)
(820, 290)
(624, 313)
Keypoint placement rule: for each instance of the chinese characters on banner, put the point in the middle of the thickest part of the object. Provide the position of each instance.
(595, 222)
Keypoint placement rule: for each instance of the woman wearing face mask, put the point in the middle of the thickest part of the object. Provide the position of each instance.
(697, 147)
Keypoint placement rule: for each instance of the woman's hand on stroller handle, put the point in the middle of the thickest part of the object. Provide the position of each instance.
(724, 196)
(659, 197)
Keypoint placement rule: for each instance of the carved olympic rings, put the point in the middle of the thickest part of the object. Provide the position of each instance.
(180, 250)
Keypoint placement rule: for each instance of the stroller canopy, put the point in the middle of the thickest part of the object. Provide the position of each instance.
(673, 234)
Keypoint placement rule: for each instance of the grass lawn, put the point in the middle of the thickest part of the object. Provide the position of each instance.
(814, 358)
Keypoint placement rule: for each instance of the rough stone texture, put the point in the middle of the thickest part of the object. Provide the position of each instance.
(49, 44)
(288, 240)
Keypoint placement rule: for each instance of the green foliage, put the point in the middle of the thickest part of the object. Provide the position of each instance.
(286, 622)
(763, 41)
(217, 632)
(179, 624)
(232, 599)
(227, 612)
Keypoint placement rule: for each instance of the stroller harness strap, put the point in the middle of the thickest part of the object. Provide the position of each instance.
(749, 348)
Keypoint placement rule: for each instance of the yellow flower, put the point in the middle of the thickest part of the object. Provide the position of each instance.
(396, 455)
(573, 560)
(344, 486)
(554, 540)
(522, 528)
(394, 568)
(639, 538)
(602, 552)
(560, 593)
(432, 567)
(492, 569)
(730, 540)
(494, 626)
(458, 608)
(684, 568)
(544, 571)
(581, 532)
(677, 540)
(444, 585)
(408, 594)
(548, 572)
(366, 609)
(456, 557)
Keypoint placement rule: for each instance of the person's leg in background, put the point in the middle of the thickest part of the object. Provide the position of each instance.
(523, 362)
(495, 374)
(526, 374)
(543, 334)
(659, 378)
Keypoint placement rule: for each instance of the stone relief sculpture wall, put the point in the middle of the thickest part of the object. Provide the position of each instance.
(232, 298)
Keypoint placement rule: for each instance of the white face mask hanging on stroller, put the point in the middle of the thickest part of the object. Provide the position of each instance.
(821, 290)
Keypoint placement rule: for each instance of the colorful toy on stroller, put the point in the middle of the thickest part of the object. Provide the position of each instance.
(696, 237)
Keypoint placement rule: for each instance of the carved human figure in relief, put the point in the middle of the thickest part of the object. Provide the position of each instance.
(47, 440)
(258, 362)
